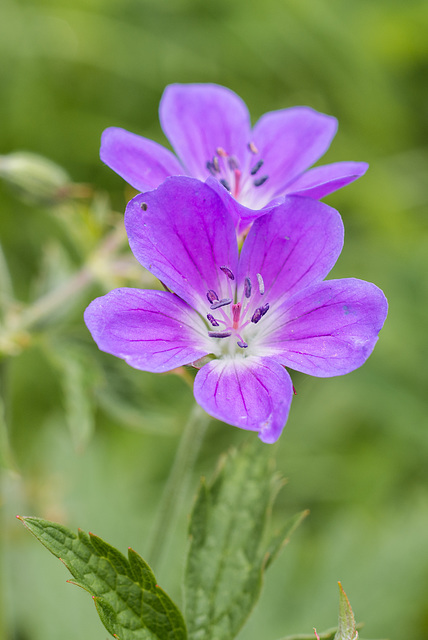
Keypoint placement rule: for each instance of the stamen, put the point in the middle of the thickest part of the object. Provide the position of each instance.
(212, 296)
(216, 164)
(252, 147)
(212, 320)
(242, 344)
(233, 163)
(257, 315)
(221, 152)
(219, 334)
(211, 168)
(220, 303)
(261, 283)
(247, 287)
(225, 184)
(228, 273)
(260, 181)
(256, 167)
(264, 309)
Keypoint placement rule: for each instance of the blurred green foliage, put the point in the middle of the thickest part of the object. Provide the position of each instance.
(87, 441)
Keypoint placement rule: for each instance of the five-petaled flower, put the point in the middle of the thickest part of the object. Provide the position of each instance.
(253, 313)
(209, 128)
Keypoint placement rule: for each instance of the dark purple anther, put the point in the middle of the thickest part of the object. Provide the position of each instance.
(257, 315)
(211, 168)
(260, 181)
(242, 344)
(212, 296)
(247, 287)
(256, 167)
(264, 309)
(212, 320)
(233, 163)
(225, 184)
(228, 273)
(219, 334)
(220, 303)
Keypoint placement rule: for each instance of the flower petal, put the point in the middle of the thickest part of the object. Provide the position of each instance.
(251, 393)
(328, 329)
(292, 246)
(183, 233)
(144, 164)
(151, 330)
(199, 118)
(320, 181)
(289, 141)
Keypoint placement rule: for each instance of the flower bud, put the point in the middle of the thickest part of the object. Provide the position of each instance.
(36, 179)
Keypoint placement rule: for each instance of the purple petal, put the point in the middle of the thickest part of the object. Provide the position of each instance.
(328, 329)
(151, 330)
(251, 393)
(290, 141)
(183, 233)
(144, 164)
(292, 246)
(320, 181)
(199, 118)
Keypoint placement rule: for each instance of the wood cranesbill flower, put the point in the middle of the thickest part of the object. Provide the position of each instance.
(252, 313)
(210, 130)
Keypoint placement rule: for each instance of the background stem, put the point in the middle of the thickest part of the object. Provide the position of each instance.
(177, 484)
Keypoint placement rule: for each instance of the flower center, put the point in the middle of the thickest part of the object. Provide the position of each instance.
(226, 169)
(231, 317)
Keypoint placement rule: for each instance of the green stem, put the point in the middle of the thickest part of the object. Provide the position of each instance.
(176, 486)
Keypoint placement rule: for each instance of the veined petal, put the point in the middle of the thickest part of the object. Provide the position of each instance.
(328, 329)
(183, 233)
(144, 164)
(293, 246)
(290, 141)
(199, 118)
(320, 181)
(151, 330)
(251, 393)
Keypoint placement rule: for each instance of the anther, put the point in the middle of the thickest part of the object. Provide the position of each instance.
(225, 184)
(144, 206)
(256, 167)
(257, 315)
(216, 164)
(242, 344)
(247, 287)
(260, 181)
(219, 334)
(264, 309)
(212, 296)
(220, 303)
(228, 273)
(261, 283)
(212, 320)
(221, 152)
(252, 147)
(211, 168)
(233, 163)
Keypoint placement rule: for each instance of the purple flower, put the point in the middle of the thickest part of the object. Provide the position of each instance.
(252, 313)
(209, 128)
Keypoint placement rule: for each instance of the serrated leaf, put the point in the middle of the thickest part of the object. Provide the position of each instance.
(129, 602)
(228, 552)
(346, 629)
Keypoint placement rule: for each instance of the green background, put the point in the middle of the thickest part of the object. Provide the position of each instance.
(92, 439)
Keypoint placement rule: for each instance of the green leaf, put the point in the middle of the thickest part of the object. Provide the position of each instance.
(129, 602)
(347, 629)
(228, 549)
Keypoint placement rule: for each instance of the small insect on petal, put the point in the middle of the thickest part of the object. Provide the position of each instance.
(144, 206)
